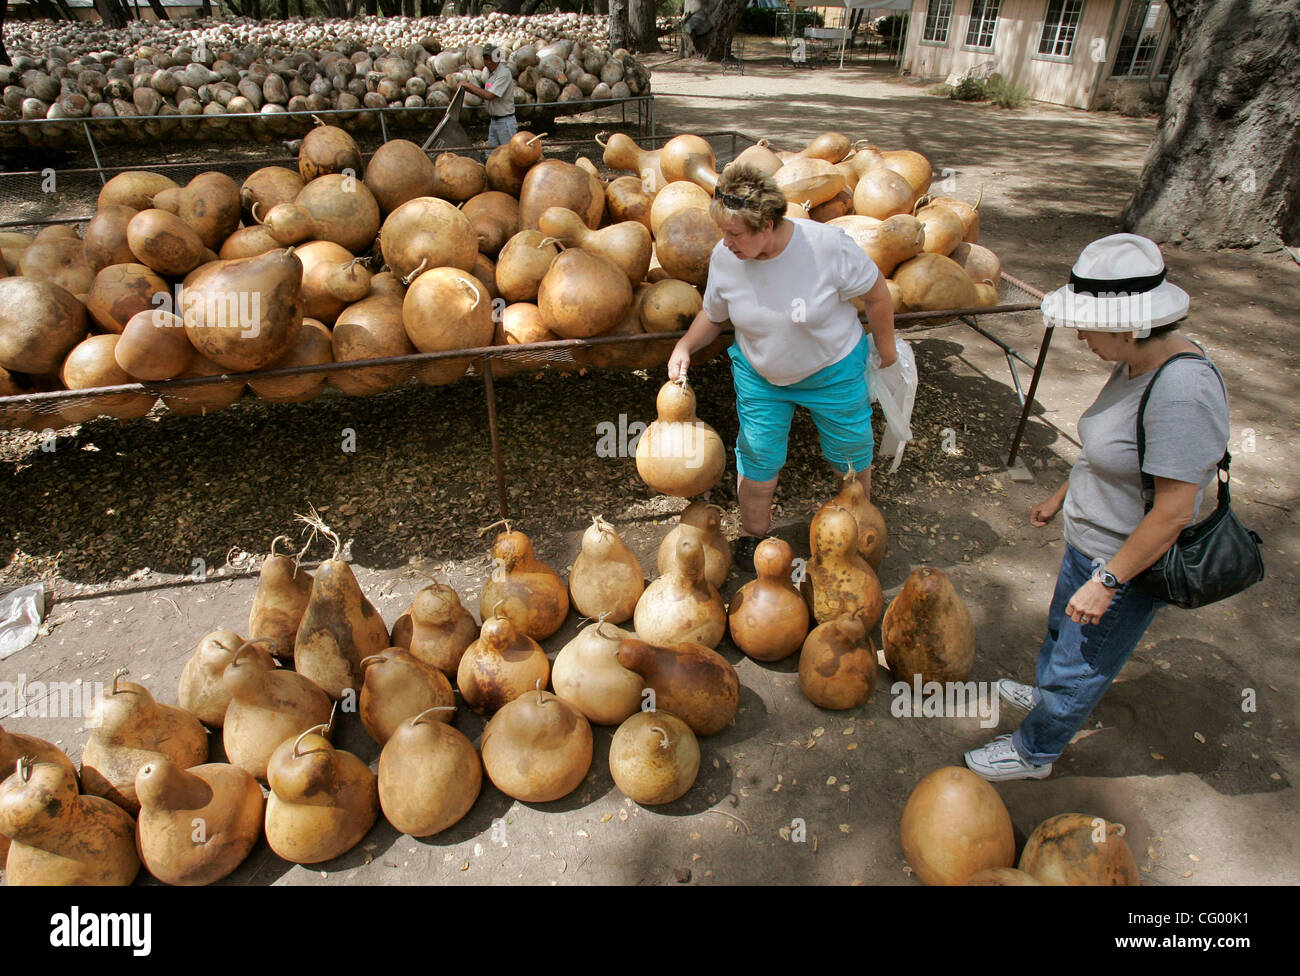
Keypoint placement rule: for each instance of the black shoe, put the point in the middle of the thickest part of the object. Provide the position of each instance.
(742, 553)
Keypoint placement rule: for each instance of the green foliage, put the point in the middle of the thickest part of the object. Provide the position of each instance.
(1006, 94)
(892, 28)
(762, 20)
(969, 90)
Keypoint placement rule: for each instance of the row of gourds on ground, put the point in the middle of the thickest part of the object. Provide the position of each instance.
(149, 796)
(337, 262)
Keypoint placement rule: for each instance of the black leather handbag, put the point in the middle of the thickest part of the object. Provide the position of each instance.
(1210, 561)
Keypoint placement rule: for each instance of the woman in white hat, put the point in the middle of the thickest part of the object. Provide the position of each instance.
(1127, 314)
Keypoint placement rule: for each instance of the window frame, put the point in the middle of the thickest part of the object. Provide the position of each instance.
(947, 30)
(1060, 58)
(971, 22)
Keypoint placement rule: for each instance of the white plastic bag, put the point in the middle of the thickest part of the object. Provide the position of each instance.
(21, 613)
(894, 388)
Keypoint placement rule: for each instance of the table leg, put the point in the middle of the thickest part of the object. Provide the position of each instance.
(1029, 398)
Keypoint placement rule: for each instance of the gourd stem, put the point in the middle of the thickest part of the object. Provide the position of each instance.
(366, 661)
(552, 240)
(118, 674)
(489, 528)
(305, 733)
(417, 270)
(472, 290)
(275, 540)
(535, 138)
(436, 708)
(603, 144)
(253, 211)
(247, 644)
(24, 767)
(662, 733)
(538, 686)
(979, 199)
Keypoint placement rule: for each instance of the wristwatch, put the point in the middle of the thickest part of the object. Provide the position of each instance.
(1106, 578)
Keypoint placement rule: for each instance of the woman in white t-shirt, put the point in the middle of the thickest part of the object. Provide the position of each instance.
(791, 289)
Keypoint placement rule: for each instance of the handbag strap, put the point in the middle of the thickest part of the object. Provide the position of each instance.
(1148, 482)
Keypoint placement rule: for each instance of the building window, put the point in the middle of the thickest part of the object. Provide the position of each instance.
(1141, 39)
(983, 23)
(938, 17)
(1060, 26)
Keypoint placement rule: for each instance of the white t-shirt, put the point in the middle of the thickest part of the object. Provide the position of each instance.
(501, 83)
(791, 313)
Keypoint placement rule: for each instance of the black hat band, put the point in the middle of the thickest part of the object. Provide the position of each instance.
(1113, 286)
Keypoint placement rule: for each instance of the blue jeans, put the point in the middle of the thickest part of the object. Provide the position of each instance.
(500, 129)
(1078, 662)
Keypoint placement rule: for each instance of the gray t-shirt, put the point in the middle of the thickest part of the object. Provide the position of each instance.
(501, 83)
(1186, 432)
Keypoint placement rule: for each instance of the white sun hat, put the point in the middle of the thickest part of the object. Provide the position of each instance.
(1117, 285)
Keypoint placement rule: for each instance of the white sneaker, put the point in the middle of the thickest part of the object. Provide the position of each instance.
(999, 761)
(1013, 692)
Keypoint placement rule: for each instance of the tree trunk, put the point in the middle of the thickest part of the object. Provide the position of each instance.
(206, 9)
(1224, 168)
(643, 35)
(714, 44)
(618, 26)
(158, 11)
(110, 13)
(4, 55)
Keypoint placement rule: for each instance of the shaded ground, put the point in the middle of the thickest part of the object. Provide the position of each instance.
(1204, 788)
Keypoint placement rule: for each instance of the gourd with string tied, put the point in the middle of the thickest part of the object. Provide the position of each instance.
(339, 626)
(606, 580)
(679, 454)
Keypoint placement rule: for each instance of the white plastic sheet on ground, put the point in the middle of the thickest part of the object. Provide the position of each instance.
(894, 388)
(21, 613)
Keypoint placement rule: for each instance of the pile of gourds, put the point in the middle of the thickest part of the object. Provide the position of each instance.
(176, 82)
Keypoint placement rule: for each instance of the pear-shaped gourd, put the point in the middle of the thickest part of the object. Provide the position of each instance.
(339, 627)
(429, 775)
(501, 665)
(267, 706)
(679, 454)
(693, 682)
(654, 758)
(837, 667)
(16, 745)
(196, 825)
(130, 729)
(839, 580)
(60, 838)
(323, 800)
(706, 519)
(606, 579)
(928, 630)
(537, 748)
(283, 592)
(681, 605)
(587, 674)
(437, 629)
(768, 618)
(872, 533)
(399, 686)
(540, 600)
(202, 689)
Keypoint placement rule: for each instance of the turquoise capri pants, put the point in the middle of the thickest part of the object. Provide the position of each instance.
(836, 396)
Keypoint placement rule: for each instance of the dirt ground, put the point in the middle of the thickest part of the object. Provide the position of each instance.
(1193, 750)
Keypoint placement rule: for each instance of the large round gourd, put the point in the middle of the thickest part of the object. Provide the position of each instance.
(583, 295)
(429, 776)
(932, 282)
(425, 233)
(555, 183)
(684, 244)
(927, 630)
(537, 748)
(244, 314)
(39, 324)
(955, 825)
(1076, 849)
(654, 758)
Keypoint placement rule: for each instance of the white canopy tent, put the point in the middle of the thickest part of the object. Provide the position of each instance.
(848, 5)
